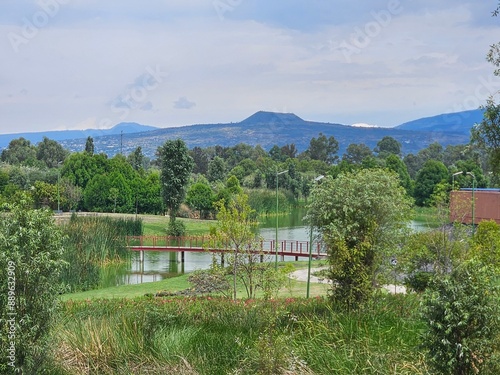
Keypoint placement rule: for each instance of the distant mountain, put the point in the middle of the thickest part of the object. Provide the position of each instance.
(458, 122)
(60, 135)
(267, 129)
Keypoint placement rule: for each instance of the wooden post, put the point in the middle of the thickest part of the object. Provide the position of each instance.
(182, 257)
(222, 259)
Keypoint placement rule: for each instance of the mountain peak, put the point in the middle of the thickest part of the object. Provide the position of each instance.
(263, 117)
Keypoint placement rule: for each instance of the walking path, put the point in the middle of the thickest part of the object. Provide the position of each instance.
(301, 275)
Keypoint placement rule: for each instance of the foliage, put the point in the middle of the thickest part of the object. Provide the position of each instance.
(235, 231)
(89, 146)
(486, 135)
(19, 152)
(176, 228)
(486, 245)
(176, 166)
(395, 164)
(462, 314)
(200, 197)
(213, 335)
(51, 152)
(361, 217)
(90, 243)
(388, 146)
(356, 153)
(216, 169)
(30, 263)
(323, 149)
(431, 174)
(213, 280)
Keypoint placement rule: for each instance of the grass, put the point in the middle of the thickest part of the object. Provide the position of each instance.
(175, 284)
(218, 336)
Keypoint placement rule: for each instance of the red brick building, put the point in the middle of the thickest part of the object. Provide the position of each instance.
(486, 207)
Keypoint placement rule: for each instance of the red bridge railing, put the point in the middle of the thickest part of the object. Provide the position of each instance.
(205, 243)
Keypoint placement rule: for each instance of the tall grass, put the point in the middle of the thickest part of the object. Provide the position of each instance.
(91, 243)
(219, 336)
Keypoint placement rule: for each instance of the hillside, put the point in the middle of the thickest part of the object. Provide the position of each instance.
(61, 135)
(459, 122)
(267, 129)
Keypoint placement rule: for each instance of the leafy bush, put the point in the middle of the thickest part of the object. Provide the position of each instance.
(463, 321)
(176, 228)
(30, 262)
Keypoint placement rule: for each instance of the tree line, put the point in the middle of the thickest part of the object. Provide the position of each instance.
(180, 180)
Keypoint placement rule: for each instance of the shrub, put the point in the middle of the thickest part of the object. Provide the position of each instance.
(176, 228)
(30, 263)
(462, 314)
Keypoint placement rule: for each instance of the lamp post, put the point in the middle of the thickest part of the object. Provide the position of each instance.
(317, 179)
(473, 200)
(58, 188)
(276, 244)
(453, 179)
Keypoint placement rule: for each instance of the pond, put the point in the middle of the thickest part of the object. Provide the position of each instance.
(161, 265)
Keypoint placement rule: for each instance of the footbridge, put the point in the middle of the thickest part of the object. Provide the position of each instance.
(199, 244)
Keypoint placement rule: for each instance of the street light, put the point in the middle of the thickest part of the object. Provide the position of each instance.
(317, 179)
(453, 179)
(276, 244)
(473, 201)
(58, 188)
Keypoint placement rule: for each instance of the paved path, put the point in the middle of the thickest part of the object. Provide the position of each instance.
(301, 275)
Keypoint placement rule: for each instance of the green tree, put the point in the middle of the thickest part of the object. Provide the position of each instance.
(362, 218)
(323, 149)
(388, 146)
(486, 136)
(395, 164)
(235, 230)
(30, 264)
(200, 197)
(356, 153)
(51, 152)
(462, 314)
(431, 174)
(216, 169)
(137, 159)
(486, 244)
(19, 152)
(89, 145)
(176, 166)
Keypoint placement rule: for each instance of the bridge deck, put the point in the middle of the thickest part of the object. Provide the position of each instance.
(202, 244)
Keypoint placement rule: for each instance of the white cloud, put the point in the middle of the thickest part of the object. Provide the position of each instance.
(183, 103)
(89, 64)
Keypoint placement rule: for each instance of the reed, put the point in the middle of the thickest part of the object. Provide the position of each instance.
(93, 242)
(220, 336)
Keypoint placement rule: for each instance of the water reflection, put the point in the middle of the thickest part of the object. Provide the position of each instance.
(159, 265)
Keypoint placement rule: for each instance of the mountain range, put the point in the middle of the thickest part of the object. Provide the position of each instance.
(265, 129)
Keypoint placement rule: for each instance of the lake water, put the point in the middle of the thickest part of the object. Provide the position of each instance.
(160, 265)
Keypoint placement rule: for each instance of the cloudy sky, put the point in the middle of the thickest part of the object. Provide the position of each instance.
(77, 64)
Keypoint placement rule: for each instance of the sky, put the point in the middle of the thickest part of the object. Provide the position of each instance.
(80, 64)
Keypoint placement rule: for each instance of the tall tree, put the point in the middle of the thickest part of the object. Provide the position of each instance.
(176, 166)
(31, 253)
(19, 152)
(89, 145)
(323, 148)
(356, 153)
(431, 174)
(361, 217)
(51, 152)
(216, 169)
(486, 135)
(387, 146)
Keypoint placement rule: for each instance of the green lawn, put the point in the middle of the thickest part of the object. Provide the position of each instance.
(175, 284)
